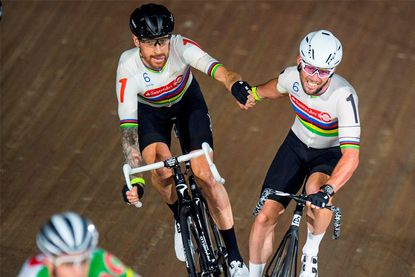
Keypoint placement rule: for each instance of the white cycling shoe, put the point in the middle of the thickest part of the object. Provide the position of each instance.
(308, 266)
(238, 269)
(178, 243)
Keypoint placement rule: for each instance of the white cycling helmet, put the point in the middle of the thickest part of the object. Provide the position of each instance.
(321, 49)
(67, 233)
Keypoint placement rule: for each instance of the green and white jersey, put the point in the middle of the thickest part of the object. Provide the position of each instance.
(327, 120)
(102, 264)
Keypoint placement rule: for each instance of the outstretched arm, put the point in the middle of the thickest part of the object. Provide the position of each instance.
(269, 90)
(229, 78)
(226, 77)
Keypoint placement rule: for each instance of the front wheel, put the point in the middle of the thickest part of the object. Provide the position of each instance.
(215, 240)
(284, 261)
(192, 234)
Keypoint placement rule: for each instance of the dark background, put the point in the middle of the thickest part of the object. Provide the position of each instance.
(60, 142)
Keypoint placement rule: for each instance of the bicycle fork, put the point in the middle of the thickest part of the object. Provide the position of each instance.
(186, 200)
(204, 232)
(284, 261)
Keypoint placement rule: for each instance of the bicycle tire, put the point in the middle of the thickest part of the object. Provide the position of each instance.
(215, 240)
(196, 261)
(215, 243)
(284, 261)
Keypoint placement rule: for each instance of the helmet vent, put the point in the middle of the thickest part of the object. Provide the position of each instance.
(328, 58)
(150, 21)
(321, 49)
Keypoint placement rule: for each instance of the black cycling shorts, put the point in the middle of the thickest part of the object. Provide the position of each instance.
(292, 164)
(190, 114)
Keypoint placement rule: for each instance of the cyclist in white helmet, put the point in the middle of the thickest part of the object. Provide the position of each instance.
(68, 243)
(321, 149)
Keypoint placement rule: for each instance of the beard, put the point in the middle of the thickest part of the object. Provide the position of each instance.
(317, 90)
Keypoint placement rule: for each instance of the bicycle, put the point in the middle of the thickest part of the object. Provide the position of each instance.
(285, 259)
(204, 250)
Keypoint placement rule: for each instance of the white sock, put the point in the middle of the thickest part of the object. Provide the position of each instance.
(255, 270)
(312, 244)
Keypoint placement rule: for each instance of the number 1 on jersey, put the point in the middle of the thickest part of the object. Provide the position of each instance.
(351, 99)
(123, 82)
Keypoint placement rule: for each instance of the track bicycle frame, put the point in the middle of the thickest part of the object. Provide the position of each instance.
(285, 259)
(193, 206)
(217, 260)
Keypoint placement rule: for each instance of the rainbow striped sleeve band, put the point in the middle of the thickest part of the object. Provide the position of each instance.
(349, 143)
(212, 69)
(128, 123)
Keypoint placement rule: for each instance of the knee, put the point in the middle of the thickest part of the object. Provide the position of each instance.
(205, 176)
(263, 220)
(162, 176)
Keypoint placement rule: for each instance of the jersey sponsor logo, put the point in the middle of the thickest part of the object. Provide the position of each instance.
(157, 91)
(113, 264)
(323, 116)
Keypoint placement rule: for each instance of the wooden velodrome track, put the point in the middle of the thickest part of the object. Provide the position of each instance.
(60, 145)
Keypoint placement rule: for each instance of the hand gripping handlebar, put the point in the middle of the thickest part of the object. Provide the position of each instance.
(206, 149)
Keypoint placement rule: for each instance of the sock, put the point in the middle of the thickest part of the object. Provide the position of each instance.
(229, 239)
(312, 244)
(255, 270)
(175, 209)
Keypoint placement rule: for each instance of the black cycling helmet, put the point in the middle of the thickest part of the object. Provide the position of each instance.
(151, 21)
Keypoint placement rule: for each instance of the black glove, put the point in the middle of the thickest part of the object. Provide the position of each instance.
(319, 199)
(140, 191)
(240, 90)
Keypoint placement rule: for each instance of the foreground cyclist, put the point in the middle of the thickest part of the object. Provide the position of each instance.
(155, 85)
(323, 143)
(68, 244)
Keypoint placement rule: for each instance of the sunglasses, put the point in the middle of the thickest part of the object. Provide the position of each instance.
(68, 260)
(153, 42)
(311, 70)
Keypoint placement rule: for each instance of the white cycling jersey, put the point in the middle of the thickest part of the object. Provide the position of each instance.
(327, 120)
(163, 88)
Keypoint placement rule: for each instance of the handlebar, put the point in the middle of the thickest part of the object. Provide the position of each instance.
(206, 149)
(302, 199)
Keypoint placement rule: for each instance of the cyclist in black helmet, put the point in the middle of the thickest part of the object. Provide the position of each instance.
(155, 84)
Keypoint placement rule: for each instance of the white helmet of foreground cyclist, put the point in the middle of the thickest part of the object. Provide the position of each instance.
(66, 234)
(321, 49)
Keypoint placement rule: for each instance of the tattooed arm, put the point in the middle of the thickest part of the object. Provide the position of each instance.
(132, 156)
(127, 89)
(129, 141)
